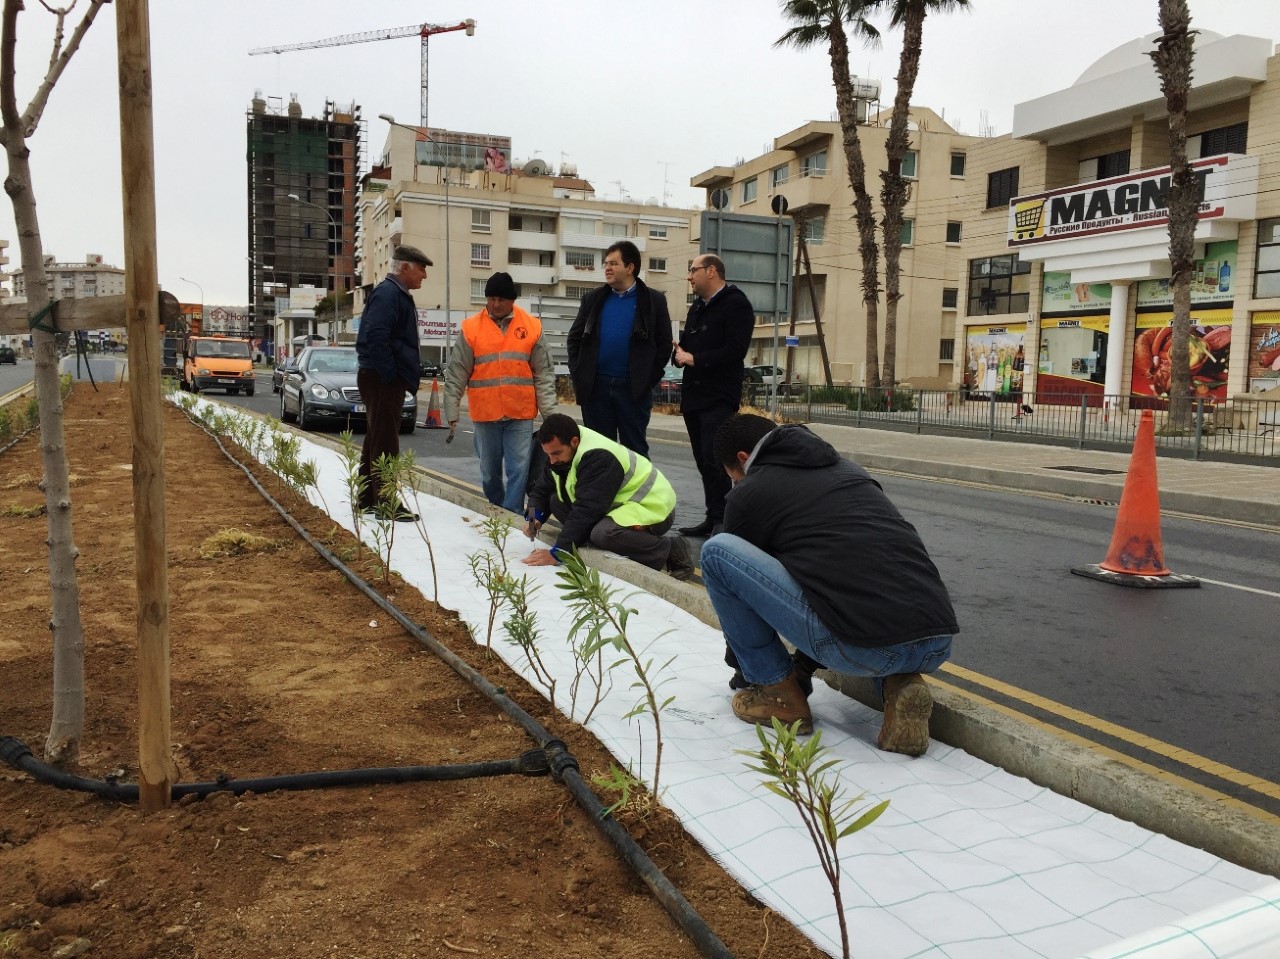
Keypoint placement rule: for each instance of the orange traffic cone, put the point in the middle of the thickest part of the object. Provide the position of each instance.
(1136, 554)
(432, 422)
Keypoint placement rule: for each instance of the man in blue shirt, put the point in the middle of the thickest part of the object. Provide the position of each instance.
(618, 347)
(389, 366)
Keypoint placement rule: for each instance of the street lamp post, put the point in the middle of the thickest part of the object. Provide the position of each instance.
(448, 300)
(201, 289)
(337, 236)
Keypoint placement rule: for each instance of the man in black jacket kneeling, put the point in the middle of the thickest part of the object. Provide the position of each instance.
(813, 550)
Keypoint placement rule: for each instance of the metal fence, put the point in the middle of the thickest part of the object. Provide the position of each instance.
(1244, 428)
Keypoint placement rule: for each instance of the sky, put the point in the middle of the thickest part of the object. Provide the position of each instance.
(640, 98)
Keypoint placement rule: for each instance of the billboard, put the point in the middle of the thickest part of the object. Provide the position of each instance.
(467, 151)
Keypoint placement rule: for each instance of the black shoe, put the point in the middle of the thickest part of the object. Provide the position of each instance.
(806, 666)
(738, 681)
(679, 565)
(702, 529)
(1026, 409)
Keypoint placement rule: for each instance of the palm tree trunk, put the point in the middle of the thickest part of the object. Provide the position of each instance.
(1173, 59)
(893, 190)
(856, 168)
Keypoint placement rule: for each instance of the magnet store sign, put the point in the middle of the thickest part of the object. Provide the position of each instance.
(1129, 202)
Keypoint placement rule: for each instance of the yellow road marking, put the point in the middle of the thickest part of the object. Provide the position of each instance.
(1154, 771)
(1160, 748)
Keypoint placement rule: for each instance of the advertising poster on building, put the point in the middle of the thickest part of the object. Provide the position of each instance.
(1212, 280)
(1061, 297)
(466, 151)
(995, 359)
(1209, 354)
(1072, 359)
(1264, 352)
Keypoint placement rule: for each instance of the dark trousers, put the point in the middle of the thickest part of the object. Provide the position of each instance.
(611, 411)
(645, 545)
(702, 425)
(383, 404)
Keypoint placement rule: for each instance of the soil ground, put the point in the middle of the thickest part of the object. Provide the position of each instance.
(276, 668)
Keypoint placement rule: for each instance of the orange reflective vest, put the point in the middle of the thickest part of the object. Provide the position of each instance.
(501, 383)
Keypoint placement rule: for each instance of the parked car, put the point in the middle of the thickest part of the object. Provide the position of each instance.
(770, 376)
(431, 370)
(322, 390)
(282, 369)
(668, 388)
(7, 355)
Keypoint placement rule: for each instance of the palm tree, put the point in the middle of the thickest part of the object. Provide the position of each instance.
(908, 14)
(823, 21)
(1173, 57)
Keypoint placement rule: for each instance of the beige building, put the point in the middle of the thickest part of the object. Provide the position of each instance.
(1067, 243)
(807, 167)
(548, 231)
(77, 280)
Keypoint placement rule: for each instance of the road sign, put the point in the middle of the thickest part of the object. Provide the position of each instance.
(778, 204)
(757, 256)
(793, 341)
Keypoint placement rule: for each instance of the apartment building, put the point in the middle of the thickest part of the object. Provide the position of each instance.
(74, 279)
(807, 167)
(1066, 242)
(459, 198)
(303, 176)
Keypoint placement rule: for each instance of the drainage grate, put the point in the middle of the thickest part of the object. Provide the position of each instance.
(1087, 469)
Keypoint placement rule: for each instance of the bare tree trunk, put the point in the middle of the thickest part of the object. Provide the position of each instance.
(864, 215)
(893, 190)
(62, 747)
(1173, 58)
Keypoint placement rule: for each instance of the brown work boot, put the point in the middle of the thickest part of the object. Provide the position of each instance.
(785, 700)
(907, 705)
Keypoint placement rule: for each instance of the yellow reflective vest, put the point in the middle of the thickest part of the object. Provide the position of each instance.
(644, 498)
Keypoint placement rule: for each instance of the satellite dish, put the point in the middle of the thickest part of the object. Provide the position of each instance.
(536, 168)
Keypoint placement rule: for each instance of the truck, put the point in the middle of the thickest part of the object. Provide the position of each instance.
(218, 363)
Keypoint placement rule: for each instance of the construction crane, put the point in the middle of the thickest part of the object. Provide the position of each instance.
(423, 30)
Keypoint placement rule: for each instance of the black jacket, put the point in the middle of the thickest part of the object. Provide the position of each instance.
(862, 567)
(388, 337)
(600, 476)
(718, 335)
(650, 341)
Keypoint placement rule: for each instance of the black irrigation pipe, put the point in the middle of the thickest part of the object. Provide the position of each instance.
(16, 754)
(564, 765)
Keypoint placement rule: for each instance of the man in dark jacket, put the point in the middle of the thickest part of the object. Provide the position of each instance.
(618, 350)
(813, 550)
(389, 365)
(715, 340)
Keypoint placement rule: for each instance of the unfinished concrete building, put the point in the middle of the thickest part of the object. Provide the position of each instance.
(303, 173)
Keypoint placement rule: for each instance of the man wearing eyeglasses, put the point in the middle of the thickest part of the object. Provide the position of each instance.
(715, 340)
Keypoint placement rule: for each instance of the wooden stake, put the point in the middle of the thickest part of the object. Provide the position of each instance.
(141, 287)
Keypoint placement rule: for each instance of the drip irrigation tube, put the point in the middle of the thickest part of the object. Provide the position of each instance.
(532, 763)
(564, 767)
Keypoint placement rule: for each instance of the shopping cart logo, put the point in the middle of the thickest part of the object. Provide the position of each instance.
(1028, 219)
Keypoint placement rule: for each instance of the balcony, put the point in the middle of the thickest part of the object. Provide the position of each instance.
(815, 190)
(592, 241)
(533, 275)
(526, 240)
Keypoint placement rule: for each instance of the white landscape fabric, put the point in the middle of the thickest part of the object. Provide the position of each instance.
(968, 862)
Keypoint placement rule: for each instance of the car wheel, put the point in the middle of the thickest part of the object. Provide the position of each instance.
(249, 391)
(304, 422)
(285, 415)
(406, 426)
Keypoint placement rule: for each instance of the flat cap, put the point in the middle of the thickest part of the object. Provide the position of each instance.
(410, 254)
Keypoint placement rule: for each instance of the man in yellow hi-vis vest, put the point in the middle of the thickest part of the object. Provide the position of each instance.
(604, 494)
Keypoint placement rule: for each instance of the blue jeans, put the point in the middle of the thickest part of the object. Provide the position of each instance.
(756, 599)
(504, 446)
(611, 411)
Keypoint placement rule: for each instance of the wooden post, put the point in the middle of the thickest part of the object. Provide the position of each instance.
(141, 288)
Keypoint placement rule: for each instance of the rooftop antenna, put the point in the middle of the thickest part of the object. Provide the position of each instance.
(621, 189)
(666, 181)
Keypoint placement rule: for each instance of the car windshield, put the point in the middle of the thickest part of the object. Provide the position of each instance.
(229, 349)
(332, 361)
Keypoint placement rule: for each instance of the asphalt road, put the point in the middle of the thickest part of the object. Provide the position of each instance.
(1181, 679)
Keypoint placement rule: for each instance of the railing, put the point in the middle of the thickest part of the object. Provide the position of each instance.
(1245, 428)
